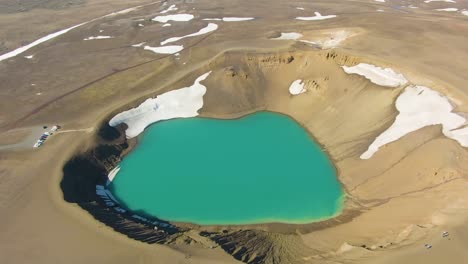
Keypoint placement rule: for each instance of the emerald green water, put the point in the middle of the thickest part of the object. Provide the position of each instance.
(261, 168)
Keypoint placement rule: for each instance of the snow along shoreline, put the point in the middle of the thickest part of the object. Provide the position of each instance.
(180, 103)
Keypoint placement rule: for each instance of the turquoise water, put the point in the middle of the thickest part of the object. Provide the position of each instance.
(261, 168)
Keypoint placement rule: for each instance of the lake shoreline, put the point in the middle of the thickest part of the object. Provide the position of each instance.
(120, 223)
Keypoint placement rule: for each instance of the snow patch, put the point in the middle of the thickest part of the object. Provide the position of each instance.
(418, 107)
(381, 1)
(29, 57)
(230, 19)
(165, 50)
(209, 28)
(181, 103)
(380, 76)
(317, 16)
(290, 36)
(169, 9)
(140, 25)
(448, 1)
(300, 8)
(332, 41)
(98, 37)
(138, 45)
(450, 9)
(465, 12)
(113, 173)
(22, 49)
(297, 87)
(166, 25)
(178, 17)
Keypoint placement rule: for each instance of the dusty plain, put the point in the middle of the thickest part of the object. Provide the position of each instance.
(402, 198)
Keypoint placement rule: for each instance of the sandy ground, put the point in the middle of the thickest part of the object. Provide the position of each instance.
(407, 194)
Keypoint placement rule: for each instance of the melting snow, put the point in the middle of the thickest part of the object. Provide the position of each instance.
(181, 103)
(332, 41)
(178, 17)
(381, 1)
(291, 36)
(465, 12)
(138, 45)
(29, 57)
(112, 173)
(209, 28)
(164, 50)
(22, 49)
(448, 1)
(98, 37)
(37, 42)
(419, 107)
(450, 9)
(169, 9)
(230, 19)
(297, 87)
(300, 8)
(317, 16)
(166, 25)
(380, 76)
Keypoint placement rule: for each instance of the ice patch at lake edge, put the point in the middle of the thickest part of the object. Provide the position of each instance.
(209, 28)
(181, 103)
(317, 16)
(380, 76)
(112, 174)
(297, 87)
(418, 107)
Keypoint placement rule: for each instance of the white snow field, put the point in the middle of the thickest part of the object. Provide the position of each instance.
(181, 103)
(178, 18)
(209, 28)
(418, 107)
(22, 49)
(230, 19)
(289, 36)
(317, 16)
(165, 49)
(297, 87)
(98, 37)
(380, 76)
